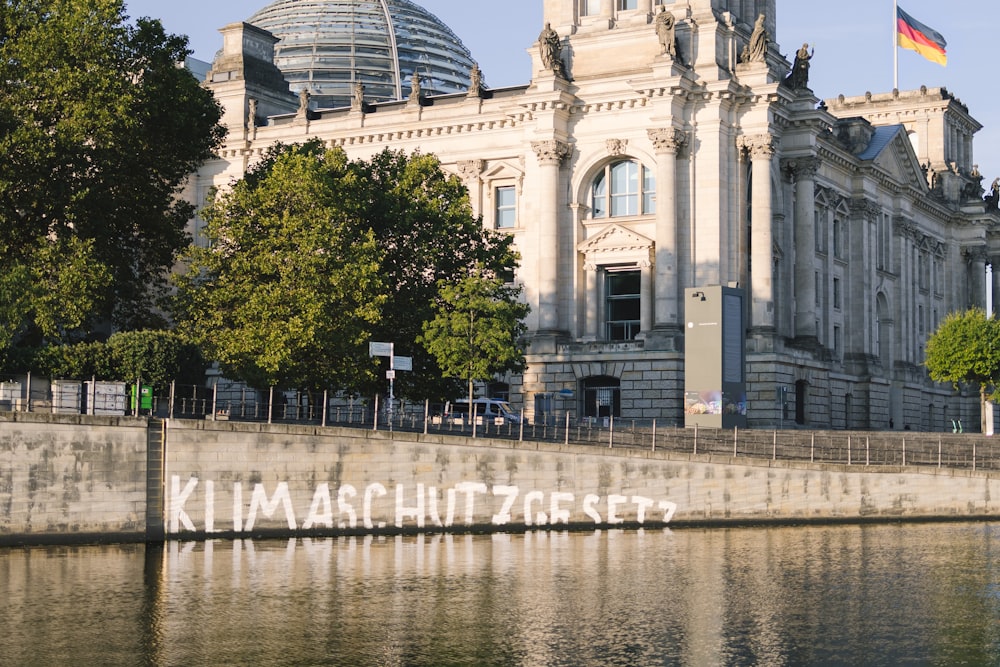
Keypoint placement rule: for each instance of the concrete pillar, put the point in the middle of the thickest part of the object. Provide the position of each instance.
(645, 6)
(608, 9)
(550, 155)
(666, 143)
(804, 172)
(761, 150)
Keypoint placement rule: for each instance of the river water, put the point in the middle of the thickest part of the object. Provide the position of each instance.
(912, 594)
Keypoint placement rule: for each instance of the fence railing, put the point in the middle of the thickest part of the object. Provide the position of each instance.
(852, 448)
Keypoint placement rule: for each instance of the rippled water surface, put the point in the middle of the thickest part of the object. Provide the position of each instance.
(922, 594)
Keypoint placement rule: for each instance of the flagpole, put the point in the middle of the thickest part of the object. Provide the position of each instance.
(895, 49)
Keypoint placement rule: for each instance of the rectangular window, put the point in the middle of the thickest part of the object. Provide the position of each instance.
(837, 352)
(820, 229)
(836, 293)
(624, 5)
(592, 7)
(838, 241)
(623, 304)
(506, 207)
(883, 237)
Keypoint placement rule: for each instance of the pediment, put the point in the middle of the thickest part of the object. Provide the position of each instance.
(503, 169)
(900, 163)
(616, 239)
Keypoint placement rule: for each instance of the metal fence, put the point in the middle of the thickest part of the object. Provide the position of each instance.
(238, 403)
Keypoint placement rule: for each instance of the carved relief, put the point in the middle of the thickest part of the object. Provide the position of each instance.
(469, 170)
(617, 147)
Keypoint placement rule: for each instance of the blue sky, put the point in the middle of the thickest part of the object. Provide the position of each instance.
(853, 41)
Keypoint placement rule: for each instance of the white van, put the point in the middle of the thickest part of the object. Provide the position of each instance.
(486, 409)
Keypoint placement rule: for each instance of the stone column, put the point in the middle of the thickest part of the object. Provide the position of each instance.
(976, 258)
(995, 264)
(608, 9)
(761, 150)
(591, 273)
(645, 6)
(645, 296)
(550, 155)
(803, 170)
(666, 142)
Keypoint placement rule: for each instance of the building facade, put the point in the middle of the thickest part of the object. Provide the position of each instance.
(662, 146)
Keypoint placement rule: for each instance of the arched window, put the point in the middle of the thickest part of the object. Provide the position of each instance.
(624, 188)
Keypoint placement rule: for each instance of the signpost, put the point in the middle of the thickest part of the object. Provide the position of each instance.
(376, 349)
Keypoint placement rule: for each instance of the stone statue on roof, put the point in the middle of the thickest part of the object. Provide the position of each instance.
(550, 48)
(665, 27)
(756, 48)
(798, 78)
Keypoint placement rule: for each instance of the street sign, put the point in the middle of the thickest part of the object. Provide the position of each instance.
(402, 363)
(390, 375)
(379, 349)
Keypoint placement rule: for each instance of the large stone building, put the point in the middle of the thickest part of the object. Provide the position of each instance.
(659, 146)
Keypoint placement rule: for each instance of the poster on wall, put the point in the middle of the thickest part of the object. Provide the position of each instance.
(703, 402)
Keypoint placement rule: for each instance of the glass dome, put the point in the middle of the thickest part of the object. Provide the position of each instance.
(326, 46)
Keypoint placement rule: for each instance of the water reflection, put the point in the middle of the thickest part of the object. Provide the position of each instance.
(924, 594)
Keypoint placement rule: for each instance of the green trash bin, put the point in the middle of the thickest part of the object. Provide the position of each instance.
(145, 397)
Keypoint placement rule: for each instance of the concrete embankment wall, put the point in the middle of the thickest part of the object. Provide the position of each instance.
(66, 477)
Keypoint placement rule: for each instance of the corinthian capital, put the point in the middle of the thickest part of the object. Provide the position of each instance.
(756, 145)
(550, 151)
(667, 139)
(801, 167)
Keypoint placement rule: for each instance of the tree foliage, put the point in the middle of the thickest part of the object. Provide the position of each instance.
(314, 255)
(965, 349)
(475, 333)
(288, 289)
(422, 219)
(155, 357)
(99, 128)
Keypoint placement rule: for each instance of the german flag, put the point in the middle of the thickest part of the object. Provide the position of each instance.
(914, 35)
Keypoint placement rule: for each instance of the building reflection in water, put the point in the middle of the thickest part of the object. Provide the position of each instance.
(777, 596)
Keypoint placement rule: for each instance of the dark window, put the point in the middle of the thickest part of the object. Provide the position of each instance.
(623, 304)
(602, 397)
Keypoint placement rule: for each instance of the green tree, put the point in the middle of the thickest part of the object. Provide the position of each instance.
(965, 349)
(55, 287)
(99, 129)
(288, 290)
(476, 331)
(314, 256)
(422, 219)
